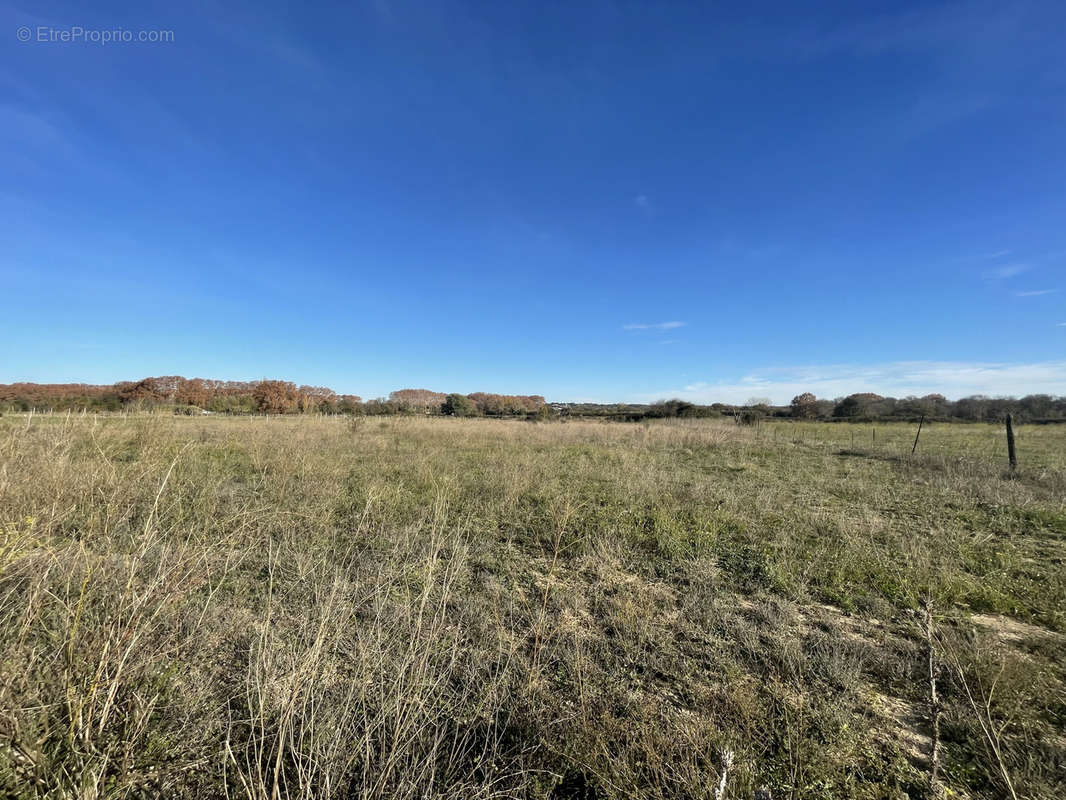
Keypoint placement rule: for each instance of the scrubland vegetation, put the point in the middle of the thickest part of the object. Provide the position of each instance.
(332, 607)
(194, 396)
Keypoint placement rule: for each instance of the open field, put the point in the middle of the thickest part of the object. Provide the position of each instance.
(325, 608)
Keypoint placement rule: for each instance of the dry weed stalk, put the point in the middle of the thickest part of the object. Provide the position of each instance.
(727, 763)
(935, 787)
(979, 700)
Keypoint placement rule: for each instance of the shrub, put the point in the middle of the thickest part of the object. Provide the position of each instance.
(458, 405)
(805, 406)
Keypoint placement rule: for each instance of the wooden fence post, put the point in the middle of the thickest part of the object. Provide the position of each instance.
(1010, 443)
(919, 433)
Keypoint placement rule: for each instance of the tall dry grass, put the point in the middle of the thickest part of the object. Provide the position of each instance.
(275, 608)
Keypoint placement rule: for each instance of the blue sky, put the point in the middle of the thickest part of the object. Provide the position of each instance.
(607, 201)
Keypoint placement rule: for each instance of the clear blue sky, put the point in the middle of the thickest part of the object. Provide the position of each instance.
(586, 200)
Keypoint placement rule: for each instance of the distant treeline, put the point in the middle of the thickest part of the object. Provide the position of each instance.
(188, 394)
(862, 407)
(199, 395)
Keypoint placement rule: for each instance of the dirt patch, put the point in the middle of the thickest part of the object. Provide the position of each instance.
(1012, 631)
(868, 631)
(903, 727)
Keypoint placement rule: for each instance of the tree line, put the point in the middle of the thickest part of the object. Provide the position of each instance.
(198, 395)
(477, 404)
(859, 407)
(866, 406)
(182, 394)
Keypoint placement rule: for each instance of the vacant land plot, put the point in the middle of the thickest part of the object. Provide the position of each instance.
(325, 608)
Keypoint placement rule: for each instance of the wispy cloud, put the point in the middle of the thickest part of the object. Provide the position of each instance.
(1060, 324)
(653, 326)
(286, 52)
(1035, 292)
(898, 379)
(28, 127)
(1008, 271)
(991, 255)
(976, 51)
(642, 202)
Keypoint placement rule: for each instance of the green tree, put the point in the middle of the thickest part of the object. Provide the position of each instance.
(805, 406)
(458, 405)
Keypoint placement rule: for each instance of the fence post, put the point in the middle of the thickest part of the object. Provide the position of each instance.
(919, 433)
(1010, 443)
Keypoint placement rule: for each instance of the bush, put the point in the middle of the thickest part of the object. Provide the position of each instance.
(804, 406)
(751, 416)
(458, 405)
(665, 409)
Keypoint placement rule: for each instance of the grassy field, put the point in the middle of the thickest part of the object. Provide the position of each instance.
(325, 608)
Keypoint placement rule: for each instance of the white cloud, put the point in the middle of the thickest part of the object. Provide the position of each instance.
(992, 255)
(653, 326)
(897, 379)
(642, 202)
(1060, 324)
(1035, 292)
(1008, 271)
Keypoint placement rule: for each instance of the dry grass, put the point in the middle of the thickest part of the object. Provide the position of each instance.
(275, 608)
